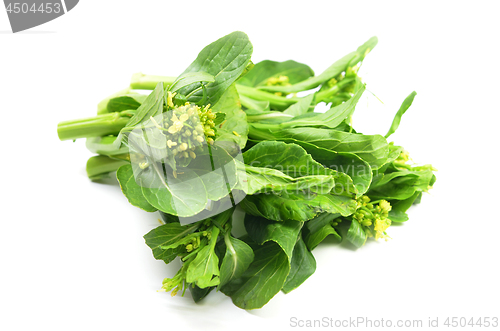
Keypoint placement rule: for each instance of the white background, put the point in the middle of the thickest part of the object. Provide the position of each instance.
(72, 256)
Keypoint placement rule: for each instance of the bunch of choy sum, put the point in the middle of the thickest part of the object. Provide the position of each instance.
(229, 134)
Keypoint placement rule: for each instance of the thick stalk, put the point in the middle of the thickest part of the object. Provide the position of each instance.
(100, 166)
(101, 125)
(148, 82)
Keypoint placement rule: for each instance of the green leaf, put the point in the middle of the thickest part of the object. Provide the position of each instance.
(331, 118)
(210, 176)
(303, 265)
(354, 175)
(296, 206)
(152, 106)
(317, 229)
(189, 78)
(263, 279)
(225, 59)
(199, 294)
(204, 269)
(371, 148)
(236, 260)
(334, 70)
(284, 234)
(399, 207)
(401, 184)
(168, 235)
(125, 102)
(262, 71)
(236, 119)
(174, 195)
(131, 190)
(397, 119)
(254, 180)
(356, 235)
(301, 107)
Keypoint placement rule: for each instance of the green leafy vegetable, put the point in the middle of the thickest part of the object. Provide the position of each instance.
(229, 135)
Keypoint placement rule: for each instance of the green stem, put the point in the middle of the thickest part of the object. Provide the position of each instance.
(259, 133)
(273, 115)
(101, 125)
(148, 82)
(100, 166)
(275, 101)
(328, 93)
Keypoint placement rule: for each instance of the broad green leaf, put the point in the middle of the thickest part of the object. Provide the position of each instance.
(255, 180)
(397, 119)
(296, 206)
(168, 235)
(356, 235)
(236, 260)
(235, 127)
(354, 174)
(334, 70)
(225, 59)
(189, 78)
(174, 195)
(401, 184)
(262, 71)
(303, 265)
(288, 158)
(314, 239)
(371, 148)
(204, 269)
(217, 170)
(317, 229)
(263, 279)
(131, 190)
(284, 234)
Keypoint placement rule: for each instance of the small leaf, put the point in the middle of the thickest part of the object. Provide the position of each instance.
(167, 235)
(236, 260)
(356, 235)
(263, 279)
(303, 265)
(131, 190)
(335, 69)
(262, 71)
(284, 233)
(225, 59)
(397, 118)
